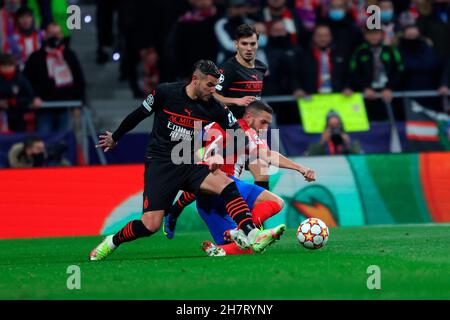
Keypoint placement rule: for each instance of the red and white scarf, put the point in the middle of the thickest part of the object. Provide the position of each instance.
(57, 67)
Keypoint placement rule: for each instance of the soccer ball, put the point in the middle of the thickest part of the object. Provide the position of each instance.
(313, 233)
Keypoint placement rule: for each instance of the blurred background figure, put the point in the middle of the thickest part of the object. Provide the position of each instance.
(33, 152)
(50, 11)
(307, 11)
(444, 88)
(263, 41)
(150, 59)
(105, 29)
(334, 140)
(192, 38)
(388, 21)
(225, 28)
(376, 67)
(434, 23)
(420, 61)
(8, 21)
(55, 75)
(347, 35)
(25, 39)
(278, 11)
(320, 68)
(28, 154)
(16, 96)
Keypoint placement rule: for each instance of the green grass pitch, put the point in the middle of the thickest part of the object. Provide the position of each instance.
(414, 261)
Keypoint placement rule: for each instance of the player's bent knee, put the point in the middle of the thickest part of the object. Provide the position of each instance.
(215, 182)
(152, 220)
(269, 196)
(279, 201)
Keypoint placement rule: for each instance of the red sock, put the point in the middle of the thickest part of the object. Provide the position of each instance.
(263, 211)
(232, 248)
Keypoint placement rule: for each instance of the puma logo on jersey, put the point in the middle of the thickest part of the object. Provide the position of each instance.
(188, 111)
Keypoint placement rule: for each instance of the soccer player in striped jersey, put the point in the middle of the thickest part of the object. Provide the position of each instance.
(262, 203)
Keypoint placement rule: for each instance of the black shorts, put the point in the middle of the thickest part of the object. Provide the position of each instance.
(163, 180)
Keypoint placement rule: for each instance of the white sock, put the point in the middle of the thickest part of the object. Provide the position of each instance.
(110, 243)
(252, 235)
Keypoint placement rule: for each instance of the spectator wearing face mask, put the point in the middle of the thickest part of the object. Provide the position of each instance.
(25, 39)
(28, 154)
(388, 21)
(346, 35)
(56, 75)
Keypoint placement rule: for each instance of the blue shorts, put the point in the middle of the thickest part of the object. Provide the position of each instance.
(213, 212)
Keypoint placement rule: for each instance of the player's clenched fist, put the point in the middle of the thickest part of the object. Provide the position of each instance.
(309, 174)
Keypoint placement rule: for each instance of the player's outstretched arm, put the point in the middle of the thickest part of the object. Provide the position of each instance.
(109, 140)
(278, 160)
(243, 102)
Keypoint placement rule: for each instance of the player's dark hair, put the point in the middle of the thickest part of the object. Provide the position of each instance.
(258, 105)
(207, 67)
(244, 31)
(7, 59)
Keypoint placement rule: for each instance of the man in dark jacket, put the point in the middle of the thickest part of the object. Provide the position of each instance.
(375, 67)
(16, 95)
(420, 60)
(192, 38)
(346, 35)
(56, 75)
(321, 68)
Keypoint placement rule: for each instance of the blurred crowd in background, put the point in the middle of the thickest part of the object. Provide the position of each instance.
(36, 65)
(309, 46)
(411, 52)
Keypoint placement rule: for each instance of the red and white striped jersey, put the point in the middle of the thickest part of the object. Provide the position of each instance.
(216, 138)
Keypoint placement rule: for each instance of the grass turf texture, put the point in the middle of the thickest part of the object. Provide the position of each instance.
(414, 262)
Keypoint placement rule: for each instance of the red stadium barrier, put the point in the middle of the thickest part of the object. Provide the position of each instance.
(63, 201)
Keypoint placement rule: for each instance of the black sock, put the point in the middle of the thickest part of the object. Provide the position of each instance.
(133, 230)
(183, 201)
(263, 184)
(237, 208)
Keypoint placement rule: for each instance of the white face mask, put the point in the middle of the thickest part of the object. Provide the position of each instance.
(263, 40)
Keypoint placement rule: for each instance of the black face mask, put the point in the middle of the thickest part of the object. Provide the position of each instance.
(412, 44)
(280, 42)
(54, 42)
(236, 20)
(38, 159)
